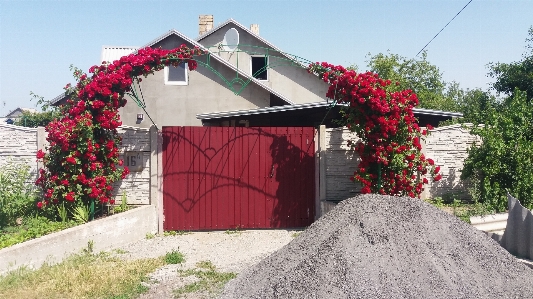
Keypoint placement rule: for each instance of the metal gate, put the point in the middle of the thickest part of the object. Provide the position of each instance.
(237, 177)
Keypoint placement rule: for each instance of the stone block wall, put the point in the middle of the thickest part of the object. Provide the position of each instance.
(136, 152)
(20, 144)
(447, 146)
(340, 163)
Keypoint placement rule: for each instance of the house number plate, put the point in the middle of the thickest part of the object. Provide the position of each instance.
(134, 161)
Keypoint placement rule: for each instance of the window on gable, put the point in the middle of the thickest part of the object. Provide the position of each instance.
(176, 75)
(259, 67)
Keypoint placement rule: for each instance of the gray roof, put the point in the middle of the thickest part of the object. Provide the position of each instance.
(232, 21)
(219, 59)
(215, 57)
(323, 104)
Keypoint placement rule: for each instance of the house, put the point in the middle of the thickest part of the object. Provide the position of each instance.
(15, 114)
(244, 80)
(226, 79)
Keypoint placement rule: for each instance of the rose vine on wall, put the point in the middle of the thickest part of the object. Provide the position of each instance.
(390, 138)
(82, 160)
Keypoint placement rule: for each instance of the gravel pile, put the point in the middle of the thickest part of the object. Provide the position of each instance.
(374, 246)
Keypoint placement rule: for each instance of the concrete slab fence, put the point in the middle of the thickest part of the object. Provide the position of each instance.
(447, 146)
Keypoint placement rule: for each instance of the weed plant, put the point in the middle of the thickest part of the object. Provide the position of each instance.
(210, 282)
(174, 257)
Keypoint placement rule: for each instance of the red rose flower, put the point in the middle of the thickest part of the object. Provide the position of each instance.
(40, 154)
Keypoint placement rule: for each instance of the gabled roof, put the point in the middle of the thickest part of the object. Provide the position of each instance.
(232, 21)
(323, 104)
(10, 114)
(218, 59)
(215, 57)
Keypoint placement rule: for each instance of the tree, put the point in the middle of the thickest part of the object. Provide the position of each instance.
(504, 159)
(516, 75)
(475, 104)
(503, 162)
(419, 75)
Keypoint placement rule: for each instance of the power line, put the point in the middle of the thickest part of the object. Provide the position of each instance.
(443, 28)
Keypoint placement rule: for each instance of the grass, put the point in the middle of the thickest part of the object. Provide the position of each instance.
(81, 276)
(172, 233)
(31, 228)
(462, 210)
(296, 234)
(174, 257)
(210, 281)
(236, 230)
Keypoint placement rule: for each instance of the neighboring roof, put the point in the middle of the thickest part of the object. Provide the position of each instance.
(232, 21)
(58, 98)
(13, 113)
(112, 53)
(237, 113)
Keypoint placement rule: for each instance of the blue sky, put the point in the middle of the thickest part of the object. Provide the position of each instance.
(39, 40)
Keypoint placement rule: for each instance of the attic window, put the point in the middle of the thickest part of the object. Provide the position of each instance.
(259, 67)
(176, 75)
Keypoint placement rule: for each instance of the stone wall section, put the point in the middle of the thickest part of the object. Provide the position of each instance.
(136, 186)
(340, 163)
(447, 146)
(20, 144)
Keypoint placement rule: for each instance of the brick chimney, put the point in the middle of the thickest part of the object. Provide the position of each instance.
(254, 28)
(205, 23)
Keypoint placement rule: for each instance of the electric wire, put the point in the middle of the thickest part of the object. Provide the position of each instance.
(443, 28)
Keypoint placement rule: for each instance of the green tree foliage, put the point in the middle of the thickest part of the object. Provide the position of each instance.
(475, 104)
(503, 160)
(515, 75)
(36, 119)
(419, 75)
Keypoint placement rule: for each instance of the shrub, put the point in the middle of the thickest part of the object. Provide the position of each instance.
(17, 195)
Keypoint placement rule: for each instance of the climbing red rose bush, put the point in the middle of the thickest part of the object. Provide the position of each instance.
(390, 138)
(82, 160)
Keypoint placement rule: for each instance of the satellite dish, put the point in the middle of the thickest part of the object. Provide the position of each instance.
(231, 40)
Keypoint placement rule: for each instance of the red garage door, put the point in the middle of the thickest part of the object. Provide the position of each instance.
(229, 177)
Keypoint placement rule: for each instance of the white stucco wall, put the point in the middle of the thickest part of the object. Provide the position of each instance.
(207, 91)
(290, 80)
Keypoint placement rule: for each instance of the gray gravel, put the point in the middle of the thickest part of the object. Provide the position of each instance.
(374, 246)
(229, 251)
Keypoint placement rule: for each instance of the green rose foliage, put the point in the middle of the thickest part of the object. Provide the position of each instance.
(503, 161)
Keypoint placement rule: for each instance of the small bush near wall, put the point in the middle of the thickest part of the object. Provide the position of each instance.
(17, 197)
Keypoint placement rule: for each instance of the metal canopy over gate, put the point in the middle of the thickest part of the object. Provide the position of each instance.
(237, 177)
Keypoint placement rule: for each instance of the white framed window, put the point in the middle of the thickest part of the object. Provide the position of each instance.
(176, 75)
(259, 66)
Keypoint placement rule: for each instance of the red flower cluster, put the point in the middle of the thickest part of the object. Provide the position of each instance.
(82, 158)
(390, 148)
